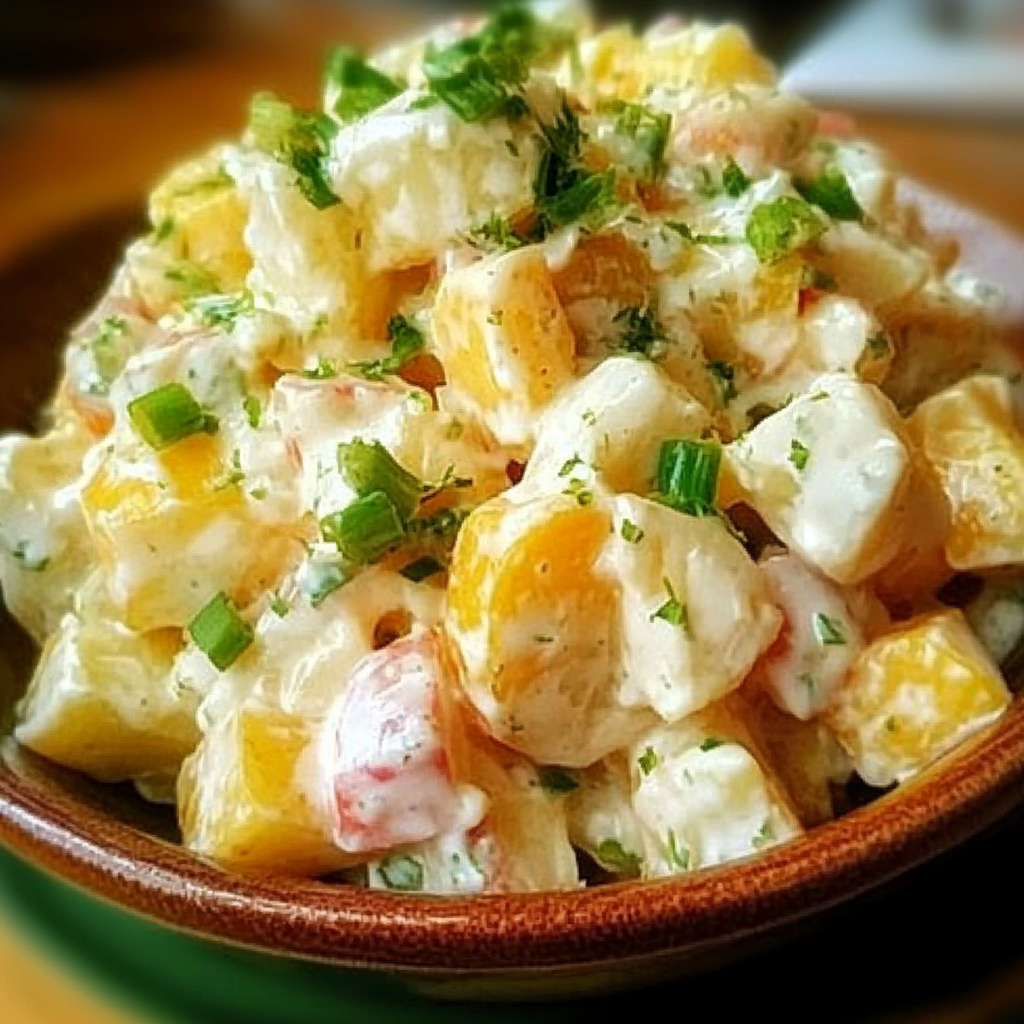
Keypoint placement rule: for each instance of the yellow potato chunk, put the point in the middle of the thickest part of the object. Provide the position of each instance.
(504, 340)
(103, 700)
(170, 532)
(532, 617)
(970, 435)
(913, 695)
(200, 208)
(249, 798)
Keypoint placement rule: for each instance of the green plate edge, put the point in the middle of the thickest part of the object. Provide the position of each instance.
(174, 978)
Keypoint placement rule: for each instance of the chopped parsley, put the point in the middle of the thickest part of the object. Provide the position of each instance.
(578, 489)
(569, 465)
(711, 743)
(613, 857)
(297, 139)
(407, 342)
(631, 533)
(221, 310)
(279, 606)
(497, 231)
(831, 192)
(799, 454)
(649, 129)
(780, 227)
(673, 611)
(480, 77)
(724, 375)
(402, 873)
(648, 760)
(357, 88)
(734, 181)
(829, 632)
(557, 780)
(639, 330)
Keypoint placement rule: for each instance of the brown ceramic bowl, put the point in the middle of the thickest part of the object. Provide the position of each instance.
(109, 842)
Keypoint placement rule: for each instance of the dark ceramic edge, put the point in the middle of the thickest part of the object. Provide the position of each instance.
(347, 925)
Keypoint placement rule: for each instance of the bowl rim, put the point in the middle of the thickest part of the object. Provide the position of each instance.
(970, 788)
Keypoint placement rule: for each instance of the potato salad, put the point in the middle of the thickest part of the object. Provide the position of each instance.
(560, 458)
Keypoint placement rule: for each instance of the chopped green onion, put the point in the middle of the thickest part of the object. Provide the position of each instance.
(648, 760)
(497, 231)
(688, 475)
(557, 780)
(371, 467)
(168, 415)
(402, 873)
(194, 279)
(831, 192)
(799, 454)
(365, 530)
(828, 631)
(220, 632)
(422, 569)
(298, 140)
(734, 181)
(357, 87)
(279, 606)
(221, 310)
(711, 743)
(679, 858)
(780, 227)
(578, 489)
(631, 533)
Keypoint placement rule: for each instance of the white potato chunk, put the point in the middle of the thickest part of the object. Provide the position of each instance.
(702, 795)
(417, 178)
(819, 640)
(601, 817)
(44, 547)
(695, 612)
(997, 617)
(610, 427)
(830, 475)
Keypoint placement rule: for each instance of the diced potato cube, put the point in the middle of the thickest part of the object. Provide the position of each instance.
(913, 695)
(415, 179)
(170, 532)
(306, 262)
(601, 818)
(830, 474)
(532, 616)
(695, 612)
(204, 216)
(704, 796)
(494, 847)
(711, 56)
(504, 340)
(971, 436)
(805, 755)
(819, 640)
(940, 334)
(103, 700)
(610, 426)
(389, 758)
(250, 798)
(45, 553)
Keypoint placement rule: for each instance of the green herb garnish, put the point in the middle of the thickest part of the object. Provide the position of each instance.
(828, 631)
(780, 227)
(402, 873)
(358, 88)
(220, 632)
(687, 477)
(831, 192)
(799, 454)
(557, 780)
(734, 181)
(168, 415)
(611, 855)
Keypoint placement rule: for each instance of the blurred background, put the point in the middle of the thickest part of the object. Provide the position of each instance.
(99, 97)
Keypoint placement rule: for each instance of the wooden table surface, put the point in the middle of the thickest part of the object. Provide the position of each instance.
(71, 152)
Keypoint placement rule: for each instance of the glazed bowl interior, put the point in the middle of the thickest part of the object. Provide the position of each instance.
(109, 841)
